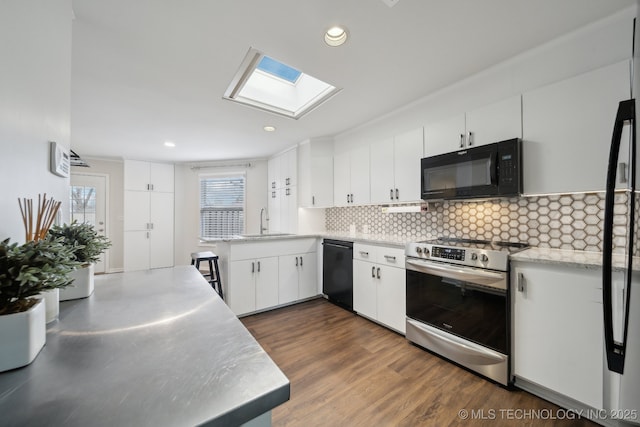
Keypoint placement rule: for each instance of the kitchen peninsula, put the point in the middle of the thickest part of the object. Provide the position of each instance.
(156, 347)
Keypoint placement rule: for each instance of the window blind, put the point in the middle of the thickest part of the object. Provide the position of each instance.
(221, 206)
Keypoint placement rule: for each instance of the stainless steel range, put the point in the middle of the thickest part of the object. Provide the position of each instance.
(458, 302)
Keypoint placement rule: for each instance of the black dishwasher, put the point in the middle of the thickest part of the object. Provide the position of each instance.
(337, 272)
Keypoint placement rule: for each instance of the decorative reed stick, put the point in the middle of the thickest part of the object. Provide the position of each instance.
(47, 211)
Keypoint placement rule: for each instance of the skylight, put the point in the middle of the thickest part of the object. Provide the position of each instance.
(266, 83)
(278, 69)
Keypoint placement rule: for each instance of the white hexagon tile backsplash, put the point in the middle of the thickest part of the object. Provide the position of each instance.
(567, 221)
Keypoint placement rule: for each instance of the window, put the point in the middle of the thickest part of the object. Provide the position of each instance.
(266, 83)
(221, 206)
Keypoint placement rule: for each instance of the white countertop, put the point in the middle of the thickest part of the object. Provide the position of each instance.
(591, 260)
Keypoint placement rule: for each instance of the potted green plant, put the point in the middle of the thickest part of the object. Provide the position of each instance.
(87, 246)
(26, 271)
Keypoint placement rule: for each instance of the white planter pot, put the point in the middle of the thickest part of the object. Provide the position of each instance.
(82, 285)
(22, 336)
(52, 304)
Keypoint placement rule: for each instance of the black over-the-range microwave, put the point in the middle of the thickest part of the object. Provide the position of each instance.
(492, 170)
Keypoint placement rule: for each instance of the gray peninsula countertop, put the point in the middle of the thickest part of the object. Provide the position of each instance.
(148, 348)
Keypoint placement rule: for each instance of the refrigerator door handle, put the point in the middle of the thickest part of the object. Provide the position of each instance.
(616, 350)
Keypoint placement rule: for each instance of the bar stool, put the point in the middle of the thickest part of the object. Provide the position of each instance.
(214, 271)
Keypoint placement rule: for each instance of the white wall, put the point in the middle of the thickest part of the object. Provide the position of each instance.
(35, 82)
(114, 169)
(596, 45)
(187, 213)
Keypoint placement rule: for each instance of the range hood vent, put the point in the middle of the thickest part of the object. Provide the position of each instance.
(77, 161)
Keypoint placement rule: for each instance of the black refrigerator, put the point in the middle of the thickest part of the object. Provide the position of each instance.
(621, 264)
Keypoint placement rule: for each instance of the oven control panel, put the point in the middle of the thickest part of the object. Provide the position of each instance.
(448, 253)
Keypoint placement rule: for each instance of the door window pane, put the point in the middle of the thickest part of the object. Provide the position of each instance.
(83, 204)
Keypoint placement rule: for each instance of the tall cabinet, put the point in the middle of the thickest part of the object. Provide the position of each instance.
(283, 192)
(148, 215)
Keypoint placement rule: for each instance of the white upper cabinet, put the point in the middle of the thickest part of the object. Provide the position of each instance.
(567, 129)
(444, 136)
(315, 173)
(382, 173)
(491, 123)
(283, 170)
(351, 177)
(495, 122)
(395, 168)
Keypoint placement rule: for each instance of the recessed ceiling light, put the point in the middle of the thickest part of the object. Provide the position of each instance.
(169, 144)
(269, 128)
(335, 36)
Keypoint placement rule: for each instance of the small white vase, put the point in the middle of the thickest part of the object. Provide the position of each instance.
(22, 336)
(52, 304)
(82, 285)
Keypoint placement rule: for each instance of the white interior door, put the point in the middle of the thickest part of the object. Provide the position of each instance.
(88, 203)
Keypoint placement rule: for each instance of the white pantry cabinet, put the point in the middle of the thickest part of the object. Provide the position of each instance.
(557, 329)
(351, 177)
(495, 122)
(395, 168)
(379, 284)
(567, 129)
(315, 173)
(148, 215)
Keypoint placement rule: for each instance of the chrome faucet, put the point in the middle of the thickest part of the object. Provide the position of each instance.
(262, 227)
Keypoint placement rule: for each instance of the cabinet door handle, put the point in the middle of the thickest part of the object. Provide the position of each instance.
(391, 194)
(347, 198)
(300, 261)
(378, 272)
(364, 254)
(313, 200)
(397, 194)
(258, 266)
(462, 140)
(151, 226)
(253, 267)
(351, 197)
(273, 194)
(296, 261)
(390, 258)
(521, 282)
(470, 139)
(373, 272)
(147, 234)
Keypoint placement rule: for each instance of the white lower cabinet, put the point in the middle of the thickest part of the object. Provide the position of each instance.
(297, 277)
(379, 285)
(255, 285)
(557, 329)
(255, 282)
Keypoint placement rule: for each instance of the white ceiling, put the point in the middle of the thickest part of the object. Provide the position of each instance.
(148, 71)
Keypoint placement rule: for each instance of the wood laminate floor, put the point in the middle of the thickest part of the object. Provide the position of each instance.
(348, 371)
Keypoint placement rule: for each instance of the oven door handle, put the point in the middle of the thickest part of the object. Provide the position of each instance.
(451, 272)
